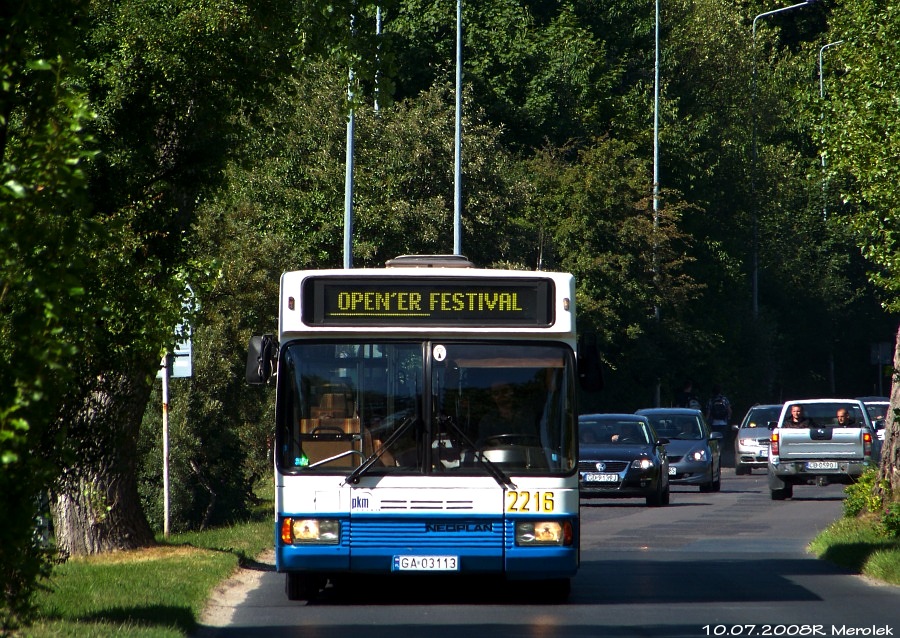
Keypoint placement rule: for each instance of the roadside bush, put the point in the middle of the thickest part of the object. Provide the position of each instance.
(890, 520)
(861, 497)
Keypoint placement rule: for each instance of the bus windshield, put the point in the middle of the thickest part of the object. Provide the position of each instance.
(425, 407)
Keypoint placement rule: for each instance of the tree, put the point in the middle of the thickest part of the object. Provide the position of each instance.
(167, 80)
(44, 220)
(541, 70)
(862, 143)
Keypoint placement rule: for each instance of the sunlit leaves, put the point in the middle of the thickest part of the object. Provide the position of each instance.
(863, 136)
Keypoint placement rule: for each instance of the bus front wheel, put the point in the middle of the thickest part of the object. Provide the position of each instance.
(302, 586)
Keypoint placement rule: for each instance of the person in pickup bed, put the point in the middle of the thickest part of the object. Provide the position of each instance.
(797, 419)
(844, 419)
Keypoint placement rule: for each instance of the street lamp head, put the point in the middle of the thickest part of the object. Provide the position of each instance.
(779, 10)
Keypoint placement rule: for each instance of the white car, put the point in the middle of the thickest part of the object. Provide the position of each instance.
(751, 439)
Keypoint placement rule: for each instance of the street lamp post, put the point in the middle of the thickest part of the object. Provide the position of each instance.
(822, 97)
(348, 173)
(457, 140)
(657, 391)
(755, 239)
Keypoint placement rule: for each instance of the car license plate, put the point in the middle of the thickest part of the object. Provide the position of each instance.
(764, 452)
(821, 465)
(426, 564)
(591, 477)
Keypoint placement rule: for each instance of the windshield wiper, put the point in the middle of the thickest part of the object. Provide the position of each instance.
(498, 474)
(369, 462)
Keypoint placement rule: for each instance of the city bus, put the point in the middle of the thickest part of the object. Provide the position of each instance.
(425, 423)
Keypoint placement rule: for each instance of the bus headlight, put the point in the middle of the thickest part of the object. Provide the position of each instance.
(544, 533)
(299, 531)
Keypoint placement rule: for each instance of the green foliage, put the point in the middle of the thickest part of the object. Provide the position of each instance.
(861, 137)
(890, 520)
(541, 70)
(861, 495)
(44, 146)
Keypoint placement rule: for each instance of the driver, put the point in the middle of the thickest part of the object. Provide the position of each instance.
(507, 415)
(628, 433)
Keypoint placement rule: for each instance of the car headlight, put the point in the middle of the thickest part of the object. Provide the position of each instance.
(317, 531)
(642, 464)
(544, 533)
(748, 442)
(697, 455)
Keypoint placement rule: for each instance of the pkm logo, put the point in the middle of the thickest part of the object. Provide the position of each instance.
(359, 503)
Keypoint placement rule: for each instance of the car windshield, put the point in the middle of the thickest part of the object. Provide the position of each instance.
(614, 432)
(677, 426)
(761, 417)
(877, 410)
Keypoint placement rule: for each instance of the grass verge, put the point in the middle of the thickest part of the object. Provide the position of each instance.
(156, 592)
(860, 544)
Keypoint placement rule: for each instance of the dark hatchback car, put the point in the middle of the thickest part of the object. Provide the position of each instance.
(695, 453)
(620, 456)
(751, 439)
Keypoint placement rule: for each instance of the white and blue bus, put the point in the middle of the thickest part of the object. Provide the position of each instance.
(425, 422)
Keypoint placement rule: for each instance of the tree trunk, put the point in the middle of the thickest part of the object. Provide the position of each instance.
(96, 504)
(889, 470)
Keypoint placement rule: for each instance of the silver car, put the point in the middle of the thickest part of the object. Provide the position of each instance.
(694, 453)
(751, 440)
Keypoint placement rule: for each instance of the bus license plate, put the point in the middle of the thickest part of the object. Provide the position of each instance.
(821, 465)
(591, 477)
(426, 564)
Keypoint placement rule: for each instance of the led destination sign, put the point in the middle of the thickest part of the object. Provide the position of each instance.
(395, 301)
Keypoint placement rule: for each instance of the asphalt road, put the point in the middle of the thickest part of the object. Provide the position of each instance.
(731, 563)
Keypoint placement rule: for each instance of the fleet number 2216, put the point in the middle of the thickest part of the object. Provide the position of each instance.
(529, 501)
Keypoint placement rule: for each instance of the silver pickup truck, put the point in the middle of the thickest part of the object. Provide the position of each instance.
(810, 445)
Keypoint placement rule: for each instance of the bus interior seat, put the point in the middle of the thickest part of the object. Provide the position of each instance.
(333, 405)
(325, 437)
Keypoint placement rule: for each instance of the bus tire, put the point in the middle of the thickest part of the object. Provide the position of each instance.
(561, 588)
(301, 586)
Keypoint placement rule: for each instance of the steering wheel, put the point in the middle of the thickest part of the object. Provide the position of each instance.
(512, 439)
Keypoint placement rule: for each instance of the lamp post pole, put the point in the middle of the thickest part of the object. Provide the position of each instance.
(657, 391)
(822, 97)
(457, 140)
(755, 239)
(348, 173)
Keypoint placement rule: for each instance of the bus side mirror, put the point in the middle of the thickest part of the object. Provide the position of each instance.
(262, 355)
(590, 374)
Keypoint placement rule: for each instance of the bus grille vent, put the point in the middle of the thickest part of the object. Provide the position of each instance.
(437, 505)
